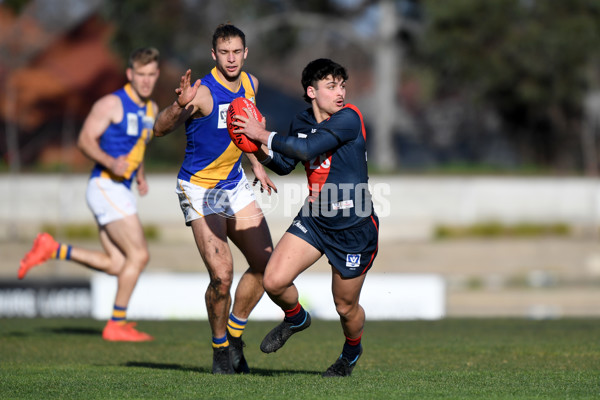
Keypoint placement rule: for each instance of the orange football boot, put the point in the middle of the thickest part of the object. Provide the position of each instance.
(119, 331)
(43, 247)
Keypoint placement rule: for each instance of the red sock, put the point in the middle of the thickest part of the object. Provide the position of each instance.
(354, 342)
(352, 349)
(296, 315)
(293, 311)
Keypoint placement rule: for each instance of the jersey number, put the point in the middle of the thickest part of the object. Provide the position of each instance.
(322, 161)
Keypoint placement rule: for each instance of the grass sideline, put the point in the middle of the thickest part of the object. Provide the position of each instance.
(450, 359)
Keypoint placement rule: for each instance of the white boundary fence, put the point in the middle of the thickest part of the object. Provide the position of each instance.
(409, 207)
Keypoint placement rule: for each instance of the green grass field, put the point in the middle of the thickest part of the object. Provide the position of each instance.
(453, 359)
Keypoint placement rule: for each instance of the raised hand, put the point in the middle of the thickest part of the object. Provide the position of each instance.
(186, 91)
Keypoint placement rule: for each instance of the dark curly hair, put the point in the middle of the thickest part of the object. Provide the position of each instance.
(319, 69)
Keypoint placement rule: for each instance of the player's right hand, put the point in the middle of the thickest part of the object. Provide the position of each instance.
(186, 91)
(120, 165)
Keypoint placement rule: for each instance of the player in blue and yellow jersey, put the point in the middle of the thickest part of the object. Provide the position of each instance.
(337, 218)
(215, 196)
(114, 135)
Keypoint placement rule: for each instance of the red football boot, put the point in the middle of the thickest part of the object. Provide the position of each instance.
(42, 249)
(119, 331)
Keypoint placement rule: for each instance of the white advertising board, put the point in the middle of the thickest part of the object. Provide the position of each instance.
(181, 296)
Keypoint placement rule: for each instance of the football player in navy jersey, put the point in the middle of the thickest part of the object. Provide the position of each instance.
(337, 218)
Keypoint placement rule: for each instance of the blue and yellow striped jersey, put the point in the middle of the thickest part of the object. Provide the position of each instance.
(211, 159)
(128, 137)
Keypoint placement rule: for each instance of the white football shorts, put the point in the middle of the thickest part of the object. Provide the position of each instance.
(197, 202)
(109, 200)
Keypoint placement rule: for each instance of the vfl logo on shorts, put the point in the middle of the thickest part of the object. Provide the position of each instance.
(352, 260)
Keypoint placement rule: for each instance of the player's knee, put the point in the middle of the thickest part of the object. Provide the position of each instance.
(139, 258)
(273, 286)
(343, 310)
(346, 310)
(115, 267)
(221, 284)
(255, 277)
(143, 257)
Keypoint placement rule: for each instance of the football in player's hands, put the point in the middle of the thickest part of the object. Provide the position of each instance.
(236, 107)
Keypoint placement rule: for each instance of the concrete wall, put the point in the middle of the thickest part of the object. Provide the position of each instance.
(409, 207)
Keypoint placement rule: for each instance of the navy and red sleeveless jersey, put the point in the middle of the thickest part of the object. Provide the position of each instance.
(334, 155)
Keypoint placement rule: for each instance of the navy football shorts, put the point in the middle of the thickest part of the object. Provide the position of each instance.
(351, 251)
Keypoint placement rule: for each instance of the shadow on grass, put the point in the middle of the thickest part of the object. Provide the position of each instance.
(73, 331)
(178, 367)
(14, 334)
(59, 331)
(174, 367)
(279, 372)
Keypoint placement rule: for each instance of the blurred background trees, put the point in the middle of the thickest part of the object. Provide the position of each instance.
(495, 86)
(532, 62)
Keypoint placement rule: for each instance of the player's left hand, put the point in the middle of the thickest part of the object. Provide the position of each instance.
(142, 185)
(261, 176)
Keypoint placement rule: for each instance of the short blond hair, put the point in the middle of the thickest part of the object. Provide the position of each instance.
(144, 56)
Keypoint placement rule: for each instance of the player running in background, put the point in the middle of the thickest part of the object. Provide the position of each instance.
(337, 218)
(114, 135)
(215, 196)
